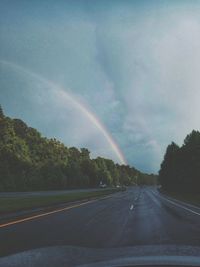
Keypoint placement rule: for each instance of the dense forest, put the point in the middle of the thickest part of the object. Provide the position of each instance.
(29, 161)
(180, 169)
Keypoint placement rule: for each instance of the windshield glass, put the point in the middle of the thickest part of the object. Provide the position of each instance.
(99, 132)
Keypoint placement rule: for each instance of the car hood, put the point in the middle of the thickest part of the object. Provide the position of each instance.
(127, 256)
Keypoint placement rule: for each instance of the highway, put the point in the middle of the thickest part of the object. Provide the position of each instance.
(137, 216)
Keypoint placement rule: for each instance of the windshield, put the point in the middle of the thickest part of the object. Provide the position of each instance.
(99, 133)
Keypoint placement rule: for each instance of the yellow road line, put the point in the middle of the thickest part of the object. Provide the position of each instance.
(45, 214)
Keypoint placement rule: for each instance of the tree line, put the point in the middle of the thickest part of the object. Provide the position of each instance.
(180, 169)
(29, 161)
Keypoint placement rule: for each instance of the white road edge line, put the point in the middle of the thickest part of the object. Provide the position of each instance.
(178, 205)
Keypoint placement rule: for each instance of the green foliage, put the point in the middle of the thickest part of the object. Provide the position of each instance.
(1, 112)
(29, 161)
(180, 169)
(147, 179)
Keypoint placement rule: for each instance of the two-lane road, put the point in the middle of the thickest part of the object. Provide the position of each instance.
(138, 216)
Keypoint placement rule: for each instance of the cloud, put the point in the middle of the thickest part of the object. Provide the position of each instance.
(135, 65)
(153, 64)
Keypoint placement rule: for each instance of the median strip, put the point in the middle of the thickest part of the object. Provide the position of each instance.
(50, 212)
(21, 203)
(31, 204)
(45, 214)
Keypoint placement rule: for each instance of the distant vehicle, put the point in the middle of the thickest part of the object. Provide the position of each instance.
(101, 185)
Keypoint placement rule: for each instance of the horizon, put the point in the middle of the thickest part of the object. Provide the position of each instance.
(122, 163)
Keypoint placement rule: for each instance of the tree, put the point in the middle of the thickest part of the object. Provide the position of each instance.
(29, 161)
(85, 153)
(180, 169)
(1, 112)
(168, 170)
(193, 139)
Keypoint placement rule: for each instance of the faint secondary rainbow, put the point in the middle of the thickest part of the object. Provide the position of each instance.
(65, 95)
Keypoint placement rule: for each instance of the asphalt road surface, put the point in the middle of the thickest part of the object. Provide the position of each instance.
(138, 216)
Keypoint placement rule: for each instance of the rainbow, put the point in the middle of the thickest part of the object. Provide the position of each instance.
(79, 105)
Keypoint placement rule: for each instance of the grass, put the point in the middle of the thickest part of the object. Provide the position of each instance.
(12, 204)
(191, 198)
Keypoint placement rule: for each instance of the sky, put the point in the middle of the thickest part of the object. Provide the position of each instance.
(118, 77)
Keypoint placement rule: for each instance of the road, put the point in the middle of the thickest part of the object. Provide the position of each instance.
(138, 216)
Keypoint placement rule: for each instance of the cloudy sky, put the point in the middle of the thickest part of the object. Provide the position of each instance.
(119, 77)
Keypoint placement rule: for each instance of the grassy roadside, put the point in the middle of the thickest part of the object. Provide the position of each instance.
(185, 197)
(12, 204)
